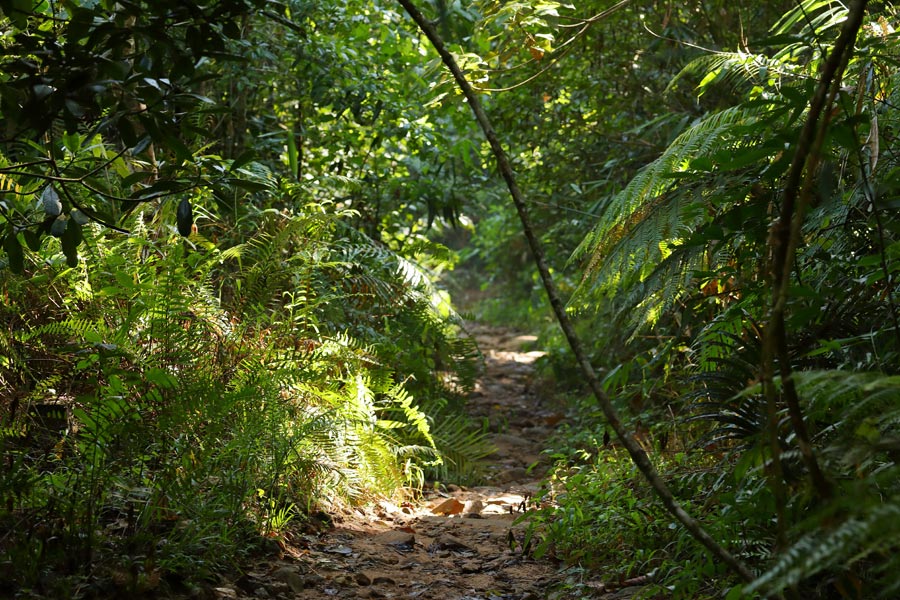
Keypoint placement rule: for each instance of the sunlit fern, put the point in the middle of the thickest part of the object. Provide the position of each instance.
(463, 446)
(737, 69)
(643, 234)
(810, 22)
(651, 236)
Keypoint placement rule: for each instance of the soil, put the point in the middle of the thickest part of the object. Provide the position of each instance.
(455, 543)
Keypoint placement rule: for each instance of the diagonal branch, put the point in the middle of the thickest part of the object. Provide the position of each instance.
(786, 234)
(640, 458)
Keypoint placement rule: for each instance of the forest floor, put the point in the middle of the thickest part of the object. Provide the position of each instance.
(455, 543)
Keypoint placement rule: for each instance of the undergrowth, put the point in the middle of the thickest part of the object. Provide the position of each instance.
(777, 430)
(173, 403)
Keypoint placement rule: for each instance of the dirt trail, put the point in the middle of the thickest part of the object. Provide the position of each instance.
(459, 543)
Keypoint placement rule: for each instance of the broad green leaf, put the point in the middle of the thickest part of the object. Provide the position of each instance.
(185, 217)
(70, 240)
(14, 253)
(50, 202)
(32, 239)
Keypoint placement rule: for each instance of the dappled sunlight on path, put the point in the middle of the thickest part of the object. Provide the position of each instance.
(455, 543)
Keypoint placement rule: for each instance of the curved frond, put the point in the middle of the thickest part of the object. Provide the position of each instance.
(737, 68)
(874, 530)
(654, 188)
(650, 241)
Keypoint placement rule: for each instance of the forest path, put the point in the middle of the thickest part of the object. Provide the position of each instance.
(457, 543)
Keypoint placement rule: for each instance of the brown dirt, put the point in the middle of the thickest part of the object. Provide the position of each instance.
(455, 543)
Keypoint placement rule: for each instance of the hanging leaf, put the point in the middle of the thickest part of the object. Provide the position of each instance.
(79, 217)
(293, 153)
(51, 202)
(185, 217)
(250, 186)
(17, 12)
(32, 239)
(243, 159)
(58, 227)
(70, 240)
(14, 253)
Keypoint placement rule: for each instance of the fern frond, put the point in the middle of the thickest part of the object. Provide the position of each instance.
(649, 190)
(872, 531)
(463, 448)
(670, 282)
(811, 18)
(81, 328)
(863, 409)
(736, 69)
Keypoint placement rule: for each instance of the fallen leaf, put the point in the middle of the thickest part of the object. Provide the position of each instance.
(554, 419)
(470, 567)
(450, 506)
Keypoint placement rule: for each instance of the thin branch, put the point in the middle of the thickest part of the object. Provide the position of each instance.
(559, 53)
(867, 167)
(599, 16)
(54, 178)
(286, 22)
(33, 163)
(684, 43)
(638, 455)
(786, 233)
(87, 211)
(139, 199)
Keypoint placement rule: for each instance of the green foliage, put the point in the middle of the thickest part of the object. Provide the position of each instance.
(273, 334)
(598, 516)
(647, 235)
(270, 338)
(462, 447)
(583, 516)
(207, 391)
(844, 548)
(93, 98)
(676, 257)
(854, 536)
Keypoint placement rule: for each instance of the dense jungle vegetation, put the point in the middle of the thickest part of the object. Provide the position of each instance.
(234, 234)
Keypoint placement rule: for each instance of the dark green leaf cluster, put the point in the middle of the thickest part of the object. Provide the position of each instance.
(670, 211)
(96, 106)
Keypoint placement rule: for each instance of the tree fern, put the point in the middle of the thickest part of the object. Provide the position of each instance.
(639, 226)
(672, 280)
(737, 69)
